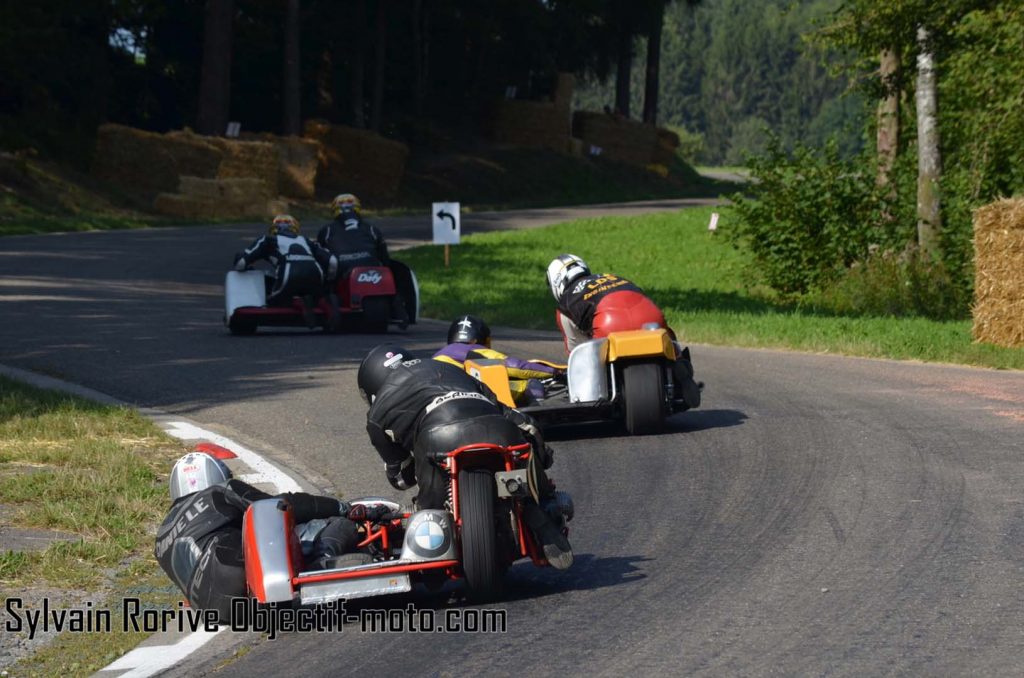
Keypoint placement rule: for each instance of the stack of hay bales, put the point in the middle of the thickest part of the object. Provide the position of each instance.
(357, 161)
(537, 124)
(999, 273)
(298, 159)
(202, 198)
(192, 176)
(627, 141)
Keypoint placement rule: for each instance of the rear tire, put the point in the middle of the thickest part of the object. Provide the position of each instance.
(242, 326)
(480, 563)
(643, 389)
(376, 314)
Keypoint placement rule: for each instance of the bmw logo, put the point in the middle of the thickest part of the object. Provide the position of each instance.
(429, 536)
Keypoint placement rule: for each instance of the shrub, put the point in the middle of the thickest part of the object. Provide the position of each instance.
(890, 284)
(811, 215)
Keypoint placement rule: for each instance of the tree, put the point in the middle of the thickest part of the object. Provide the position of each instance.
(929, 172)
(380, 56)
(292, 124)
(887, 137)
(215, 83)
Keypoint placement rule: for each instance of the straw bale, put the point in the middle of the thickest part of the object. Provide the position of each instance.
(235, 190)
(200, 207)
(298, 159)
(999, 273)
(620, 139)
(357, 161)
(148, 162)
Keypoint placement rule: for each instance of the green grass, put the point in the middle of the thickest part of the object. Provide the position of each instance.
(698, 278)
(99, 473)
(92, 470)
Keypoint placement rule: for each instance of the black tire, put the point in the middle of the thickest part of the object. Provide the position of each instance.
(242, 326)
(643, 390)
(376, 314)
(480, 562)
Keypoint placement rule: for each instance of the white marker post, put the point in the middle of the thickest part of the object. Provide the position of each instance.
(447, 226)
(713, 226)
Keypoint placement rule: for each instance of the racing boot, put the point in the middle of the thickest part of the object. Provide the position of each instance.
(333, 313)
(549, 536)
(686, 388)
(559, 506)
(399, 313)
(307, 311)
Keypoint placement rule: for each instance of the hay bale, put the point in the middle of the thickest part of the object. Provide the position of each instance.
(531, 124)
(298, 160)
(236, 191)
(201, 207)
(357, 161)
(999, 273)
(627, 141)
(149, 163)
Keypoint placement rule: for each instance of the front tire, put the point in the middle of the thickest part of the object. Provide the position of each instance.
(480, 563)
(643, 389)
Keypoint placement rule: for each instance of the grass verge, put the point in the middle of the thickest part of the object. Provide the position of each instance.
(94, 472)
(697, 277)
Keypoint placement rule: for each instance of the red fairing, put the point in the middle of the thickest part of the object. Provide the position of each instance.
(623, 311)
(367, 281)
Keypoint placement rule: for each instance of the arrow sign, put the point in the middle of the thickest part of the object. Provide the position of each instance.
(447, 228)
(444, 215)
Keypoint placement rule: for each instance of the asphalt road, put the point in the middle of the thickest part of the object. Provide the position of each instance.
(818, 515)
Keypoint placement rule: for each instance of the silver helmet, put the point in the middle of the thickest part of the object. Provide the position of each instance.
(196, 471)
(563, 270)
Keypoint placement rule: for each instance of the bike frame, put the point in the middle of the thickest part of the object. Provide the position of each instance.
(494, 458)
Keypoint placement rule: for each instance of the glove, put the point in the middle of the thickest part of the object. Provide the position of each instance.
(240, 262)
(402, 476)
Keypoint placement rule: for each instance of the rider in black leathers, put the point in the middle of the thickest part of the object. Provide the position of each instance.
(353, 240)
(420, 407)
(300, 266)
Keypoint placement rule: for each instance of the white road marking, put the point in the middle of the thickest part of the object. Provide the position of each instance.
(263, 470)
(145, 661)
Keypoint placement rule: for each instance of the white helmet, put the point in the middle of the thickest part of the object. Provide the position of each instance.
(563, 270)
(196, 471)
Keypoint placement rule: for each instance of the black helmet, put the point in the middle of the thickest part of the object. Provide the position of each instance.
(469, 329)
(376, 367)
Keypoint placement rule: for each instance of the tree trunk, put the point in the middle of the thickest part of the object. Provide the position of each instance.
(378, 66)
(652, 74)
(623, 72)
(358, 66)
(929, 161)
(215, 80)
(419, 66)
(888, 134)
(325, 85)
(292, 90)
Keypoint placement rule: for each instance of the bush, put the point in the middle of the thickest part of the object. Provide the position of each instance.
(887, 284)
(691, 144)
(811, 215)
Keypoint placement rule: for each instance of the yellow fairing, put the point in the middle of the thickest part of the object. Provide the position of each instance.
(492, 373)
(640, 344)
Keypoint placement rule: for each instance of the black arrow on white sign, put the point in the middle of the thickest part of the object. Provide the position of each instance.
(445, 215)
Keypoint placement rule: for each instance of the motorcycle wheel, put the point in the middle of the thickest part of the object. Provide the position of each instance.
(484, 574)
(643, 389)
(242, 326)
(376, 313)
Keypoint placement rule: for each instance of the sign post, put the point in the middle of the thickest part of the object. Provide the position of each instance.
(447, 226)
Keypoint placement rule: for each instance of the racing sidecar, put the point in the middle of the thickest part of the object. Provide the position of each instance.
(366, 299)
(626, 376)
(478, 540)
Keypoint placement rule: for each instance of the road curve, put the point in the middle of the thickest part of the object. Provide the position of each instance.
(818, 515)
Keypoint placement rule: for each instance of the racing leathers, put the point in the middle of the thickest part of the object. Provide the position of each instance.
(523, 375)
(426, 407)
(199, 543)
(354, 242)
(300, 266)
(594, 306)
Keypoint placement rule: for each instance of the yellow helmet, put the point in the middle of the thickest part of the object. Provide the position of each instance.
(284, 223)
(346, 202)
